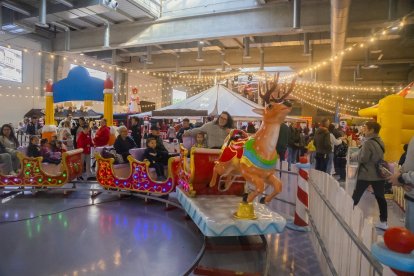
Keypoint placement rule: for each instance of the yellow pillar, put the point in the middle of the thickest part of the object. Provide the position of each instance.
(49, 129)
(109, 101)
(109, 108)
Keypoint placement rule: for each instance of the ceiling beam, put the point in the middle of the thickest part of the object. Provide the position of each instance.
(89, 22)
(65, 2)
(238, 43)
(126, 15)
(205, 27)
(103, 19)
(16, 8)
(229, 24)
(71, 25)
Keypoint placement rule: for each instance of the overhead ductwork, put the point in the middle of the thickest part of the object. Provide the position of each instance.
(15, 8)
(200, 51)
(296, 14)
(392, 8)
(11, 25)
(177, 64)
(42, 15)
(149, 55)
(261, 58)
(67, 33)
(339, 23)
(246, 50)
(112, 4)
(357, 73)
(368, 64)
(65, 2)
(223, 62)
(306, 44)
(66, 9)
(107, 35)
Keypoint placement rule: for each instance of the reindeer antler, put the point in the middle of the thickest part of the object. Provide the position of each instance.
(292, 86)
(266, 96)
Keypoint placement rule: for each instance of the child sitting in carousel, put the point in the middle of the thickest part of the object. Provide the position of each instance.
(33, 150)
(57, 146)
(155, 158)
(200, 140)
(47, 154)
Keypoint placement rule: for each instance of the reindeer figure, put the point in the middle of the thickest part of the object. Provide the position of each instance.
(275, 90)
(256, 162)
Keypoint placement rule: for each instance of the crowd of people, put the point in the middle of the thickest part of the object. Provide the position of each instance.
(84, 134)
(324, 144)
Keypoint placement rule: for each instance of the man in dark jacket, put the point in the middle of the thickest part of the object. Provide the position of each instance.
(33, 128)
(186, 126)
(322, 142)
(282, 142)
(136, 131)
(293, 145)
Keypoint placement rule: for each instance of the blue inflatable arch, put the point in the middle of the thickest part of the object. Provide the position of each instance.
(78, 86)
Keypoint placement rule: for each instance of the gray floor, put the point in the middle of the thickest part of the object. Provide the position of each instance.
(129, 237)
(114, 237)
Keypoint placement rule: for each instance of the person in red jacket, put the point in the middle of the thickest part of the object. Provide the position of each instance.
(85, 142)
(102, 135)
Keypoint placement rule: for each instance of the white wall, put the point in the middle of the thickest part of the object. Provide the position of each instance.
(149, 87)
(18, 98)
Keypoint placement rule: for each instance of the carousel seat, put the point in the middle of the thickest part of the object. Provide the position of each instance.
(49, 168)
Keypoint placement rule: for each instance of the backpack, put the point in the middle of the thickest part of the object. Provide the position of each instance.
(341, 150)
(382, 166)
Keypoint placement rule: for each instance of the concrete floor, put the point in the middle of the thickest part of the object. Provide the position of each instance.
(113, 237)
(52, 234)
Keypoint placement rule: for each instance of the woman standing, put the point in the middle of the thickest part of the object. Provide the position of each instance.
(368, 156)
(9, 141)
(216, 131)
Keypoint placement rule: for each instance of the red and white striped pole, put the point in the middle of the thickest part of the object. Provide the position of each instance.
(301, 220)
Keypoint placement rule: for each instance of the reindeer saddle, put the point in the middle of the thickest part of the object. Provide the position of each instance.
(239, 145)
(233, 146)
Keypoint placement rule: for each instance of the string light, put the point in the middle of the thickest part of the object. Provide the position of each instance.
(396, 25)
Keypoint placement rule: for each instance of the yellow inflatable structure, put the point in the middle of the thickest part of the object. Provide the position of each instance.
(395, 114)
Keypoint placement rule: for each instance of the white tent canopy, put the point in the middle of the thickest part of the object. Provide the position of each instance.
(218, 99)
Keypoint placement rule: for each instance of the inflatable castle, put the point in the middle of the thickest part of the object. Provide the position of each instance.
(395, 113)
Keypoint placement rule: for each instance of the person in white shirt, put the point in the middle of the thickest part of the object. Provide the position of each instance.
(334, 142)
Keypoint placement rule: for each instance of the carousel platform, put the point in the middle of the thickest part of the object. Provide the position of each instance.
(214, 216)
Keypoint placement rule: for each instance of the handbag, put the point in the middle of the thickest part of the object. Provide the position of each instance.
(382, 166)
(107, 153)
